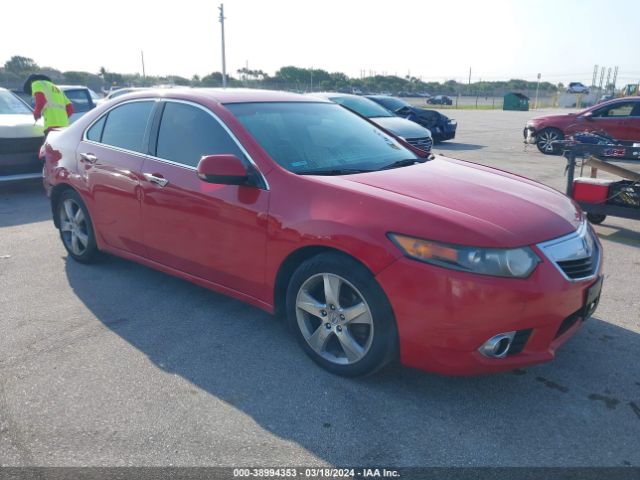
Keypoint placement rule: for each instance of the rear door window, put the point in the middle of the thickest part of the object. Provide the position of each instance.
(187, 133)
(126, 125)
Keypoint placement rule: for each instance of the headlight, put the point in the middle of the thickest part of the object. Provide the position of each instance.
(512, 262)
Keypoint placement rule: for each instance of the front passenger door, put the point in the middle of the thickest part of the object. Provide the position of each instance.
(214, 232)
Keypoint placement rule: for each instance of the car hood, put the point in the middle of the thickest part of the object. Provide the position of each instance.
(402, 127)
(553, 118)
(20, 126)
(472, 204)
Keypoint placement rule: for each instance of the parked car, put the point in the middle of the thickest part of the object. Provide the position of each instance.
(82, 99)
(442, 127)
(577, 87)
(618, 118)
(440, 100)
(122, 91)
(414, 134)
(300, 207)
(20, 139)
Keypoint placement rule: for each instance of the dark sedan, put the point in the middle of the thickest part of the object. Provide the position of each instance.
(442, 127)
(440, 100)
(415, 135)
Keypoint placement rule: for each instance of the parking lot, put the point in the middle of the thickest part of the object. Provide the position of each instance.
(117, 364)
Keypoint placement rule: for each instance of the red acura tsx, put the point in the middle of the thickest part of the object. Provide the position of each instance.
(304, 209)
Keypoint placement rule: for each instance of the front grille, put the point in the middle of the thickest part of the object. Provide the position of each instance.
(520, 339)
(568, 322)
(580, 268)
(576, 255)
(20, 145)
(423, 144)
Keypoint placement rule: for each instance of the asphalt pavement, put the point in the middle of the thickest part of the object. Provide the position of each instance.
(116, 364)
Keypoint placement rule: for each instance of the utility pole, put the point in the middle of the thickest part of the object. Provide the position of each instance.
(469, 75)
(595, 75)
(535, 105)
(144, 75)
(224, 60)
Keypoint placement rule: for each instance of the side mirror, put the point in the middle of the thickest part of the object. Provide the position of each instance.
(223, 169)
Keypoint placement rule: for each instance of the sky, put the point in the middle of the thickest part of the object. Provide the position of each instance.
(435, 40)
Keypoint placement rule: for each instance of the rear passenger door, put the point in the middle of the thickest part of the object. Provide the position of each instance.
(110, 158)
(215, 232)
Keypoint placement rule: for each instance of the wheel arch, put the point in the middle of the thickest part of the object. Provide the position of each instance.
(289, 266)
(56, 193)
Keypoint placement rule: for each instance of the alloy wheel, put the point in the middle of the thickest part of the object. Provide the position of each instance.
(73, 226)
(546, 139)
(334, 318)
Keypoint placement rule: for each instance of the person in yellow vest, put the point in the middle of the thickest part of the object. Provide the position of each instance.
(50, 102)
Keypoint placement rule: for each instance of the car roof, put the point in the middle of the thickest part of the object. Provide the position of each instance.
(226, 95)
(73, 87)
(330, 95)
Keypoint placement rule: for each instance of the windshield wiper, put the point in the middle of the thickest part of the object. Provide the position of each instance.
(334, 171)
(403, 163)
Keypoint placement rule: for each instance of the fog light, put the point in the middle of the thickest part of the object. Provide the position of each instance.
(497, 346)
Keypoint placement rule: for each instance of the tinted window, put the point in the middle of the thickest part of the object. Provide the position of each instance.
(188, 133)
(81, 100)
(390, 103)
(318, 137)
(125, 126)
(95, 132)
(615, 111)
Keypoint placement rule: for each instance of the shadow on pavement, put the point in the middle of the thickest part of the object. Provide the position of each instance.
(582, 409)
(618, 234)
(22, 203)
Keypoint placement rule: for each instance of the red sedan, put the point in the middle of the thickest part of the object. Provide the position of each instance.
(619, 118)
(306, 210)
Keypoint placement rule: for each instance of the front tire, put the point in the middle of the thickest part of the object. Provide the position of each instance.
(545, 139)
(341, 316)
(76, 229)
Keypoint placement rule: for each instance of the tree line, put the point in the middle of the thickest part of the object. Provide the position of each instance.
(17, 68)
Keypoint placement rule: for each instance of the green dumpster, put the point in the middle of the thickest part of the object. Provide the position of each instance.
(515, 101)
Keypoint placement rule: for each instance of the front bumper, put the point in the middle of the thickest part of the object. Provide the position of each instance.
(19, 157)
(529, 133)
(442, 132)
(444, 316)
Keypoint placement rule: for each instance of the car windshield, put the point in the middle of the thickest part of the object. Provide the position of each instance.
(319, 138)
(12, 105)
(363, 106)
(391, 103)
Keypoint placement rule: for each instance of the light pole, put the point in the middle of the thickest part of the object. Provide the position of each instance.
(535, 105)
(224, 61)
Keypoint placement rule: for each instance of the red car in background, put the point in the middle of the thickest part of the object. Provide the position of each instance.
(305, 209)
(618, 118)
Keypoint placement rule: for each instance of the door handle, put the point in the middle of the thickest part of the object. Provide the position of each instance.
(89, 157)
(160, 181)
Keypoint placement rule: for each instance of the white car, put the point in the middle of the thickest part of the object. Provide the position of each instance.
(577, 87)
(20, 139)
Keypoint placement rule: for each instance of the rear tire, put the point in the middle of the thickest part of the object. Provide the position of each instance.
(545, 139)
(76, 228)
(341, 316)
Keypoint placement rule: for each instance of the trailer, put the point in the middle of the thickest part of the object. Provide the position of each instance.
(600, 199)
